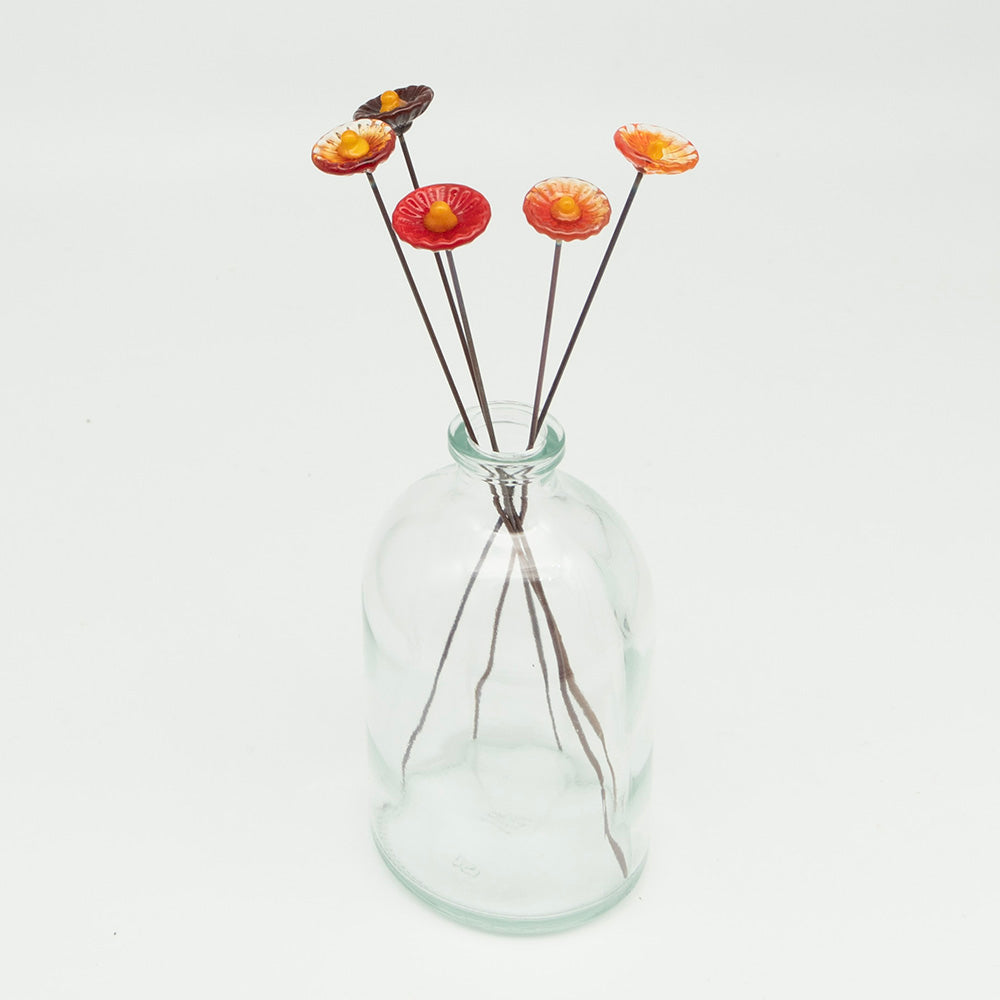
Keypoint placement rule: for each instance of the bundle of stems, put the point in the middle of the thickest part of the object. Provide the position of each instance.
(509, 517)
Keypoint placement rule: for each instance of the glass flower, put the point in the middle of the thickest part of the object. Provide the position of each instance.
(566, 208)
(398, 107)
(441, 216)
(654, 150)
(356, 146)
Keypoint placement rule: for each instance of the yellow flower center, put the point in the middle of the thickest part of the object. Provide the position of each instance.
(440, 218)
(565, 209)
(655, 149)
(390, 101)
(352, 145)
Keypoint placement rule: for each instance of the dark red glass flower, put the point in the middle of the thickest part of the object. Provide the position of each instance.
(655, 150)
(356, 146)
(566, 208)
(441, 216)
(398, 107)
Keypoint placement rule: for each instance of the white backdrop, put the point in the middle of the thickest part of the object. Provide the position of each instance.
(213, 380)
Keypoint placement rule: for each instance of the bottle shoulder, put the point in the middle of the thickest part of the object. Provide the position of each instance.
(562, 516)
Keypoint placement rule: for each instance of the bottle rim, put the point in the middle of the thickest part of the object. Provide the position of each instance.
(511, 422)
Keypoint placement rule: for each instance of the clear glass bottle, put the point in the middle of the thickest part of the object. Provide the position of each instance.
(507, 643)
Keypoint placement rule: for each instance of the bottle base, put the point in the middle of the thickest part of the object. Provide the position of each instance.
(509, 923)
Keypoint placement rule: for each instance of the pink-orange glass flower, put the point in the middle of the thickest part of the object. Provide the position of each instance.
(356, 146)
(398, 107)
(655, 150)
(566, 208)
(441, 216)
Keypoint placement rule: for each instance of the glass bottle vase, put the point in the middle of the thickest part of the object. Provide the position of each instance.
(507, 645)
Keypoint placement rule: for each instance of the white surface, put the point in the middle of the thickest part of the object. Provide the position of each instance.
(212, 380)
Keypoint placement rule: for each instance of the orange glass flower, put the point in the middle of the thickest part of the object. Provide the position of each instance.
(566, 208)
(356, 146)
(398, 107)
(654, 150)
(441, 216)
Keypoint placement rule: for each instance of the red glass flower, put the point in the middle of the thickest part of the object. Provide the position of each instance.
(566, 208)
(398, 107)
(356, 146)
(441, 216)
(654, 150)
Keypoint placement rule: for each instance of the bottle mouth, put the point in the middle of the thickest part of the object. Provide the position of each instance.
(514, 461)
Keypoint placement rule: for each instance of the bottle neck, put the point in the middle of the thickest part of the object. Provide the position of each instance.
(514, 462)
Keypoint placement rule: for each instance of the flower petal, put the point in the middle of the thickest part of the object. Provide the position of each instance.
(595, 210)
(471, 209)
(415, 101)
(380, 138)
(654, 150)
